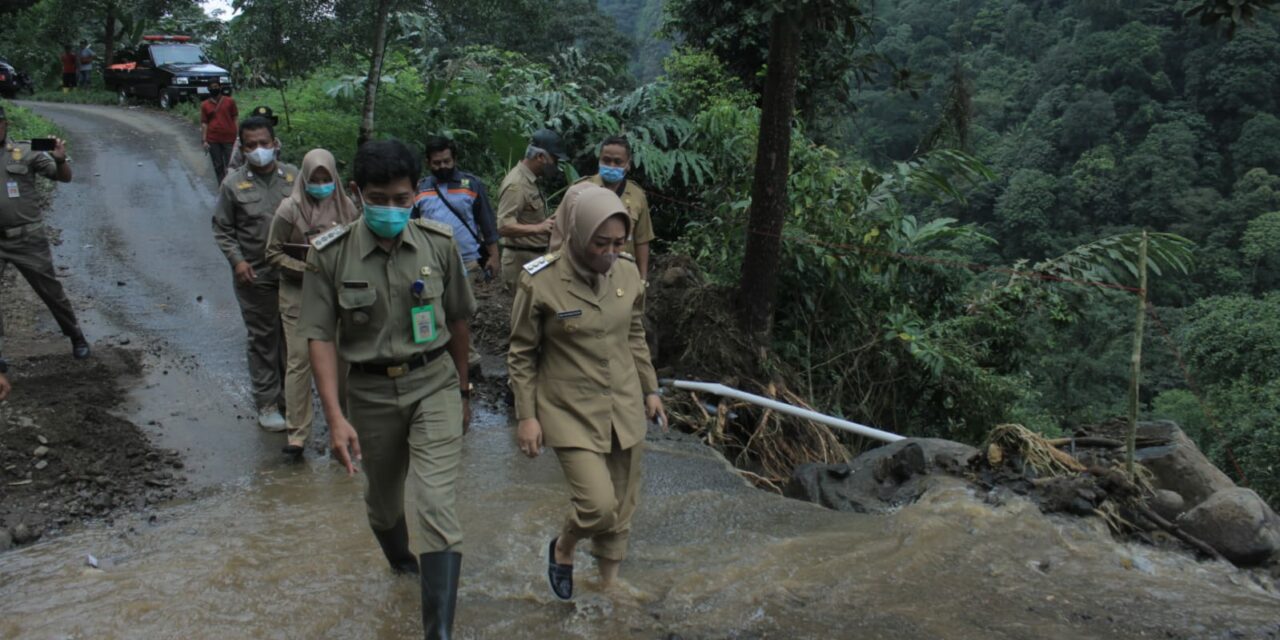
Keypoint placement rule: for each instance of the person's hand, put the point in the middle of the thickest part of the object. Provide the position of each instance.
(206, 144)
(655, 411)
(244, 273)
(546, 225)
(345, 444)
(466, 415)
(493, 265)
(5, 387)
(59, 152)
(529, 437)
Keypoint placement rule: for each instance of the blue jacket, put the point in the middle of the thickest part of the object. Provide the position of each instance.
(468, 196)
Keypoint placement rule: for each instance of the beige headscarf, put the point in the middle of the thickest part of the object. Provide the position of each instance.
(584, 208)
(313, 215)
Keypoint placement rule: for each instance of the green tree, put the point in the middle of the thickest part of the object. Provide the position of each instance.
(1258, 145)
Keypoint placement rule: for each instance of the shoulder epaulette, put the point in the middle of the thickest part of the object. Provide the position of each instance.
(583, 179)
(626, 256)
(532, 267)
(433, 225)
(327, 238)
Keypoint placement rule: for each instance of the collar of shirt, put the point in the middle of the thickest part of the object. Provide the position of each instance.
(526, 172)
(366, 242)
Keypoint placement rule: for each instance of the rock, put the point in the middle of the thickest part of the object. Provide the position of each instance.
(879, 480)
(1179, 466)
(41, 465)
(42, 440)
(1168, 504)
(6, 540)
(675, 277)
(1238, 524)
(41, 451)
(23, 534)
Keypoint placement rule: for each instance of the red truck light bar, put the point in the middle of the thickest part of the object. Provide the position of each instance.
(167, 38)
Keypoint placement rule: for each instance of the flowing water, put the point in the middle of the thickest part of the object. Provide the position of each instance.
(284, 551)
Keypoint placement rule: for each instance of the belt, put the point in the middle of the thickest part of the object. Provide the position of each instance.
(19, 230)
(397, 370)
(542, 249)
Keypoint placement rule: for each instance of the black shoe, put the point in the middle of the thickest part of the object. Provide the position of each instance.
(79, 347)
(560, 576)
(440, 571)
(395, 545)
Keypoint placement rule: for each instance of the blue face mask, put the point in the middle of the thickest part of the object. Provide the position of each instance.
(386, 222)
(612, 175)
(320, 191)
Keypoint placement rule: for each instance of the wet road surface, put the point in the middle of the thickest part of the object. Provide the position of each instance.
(283, 551)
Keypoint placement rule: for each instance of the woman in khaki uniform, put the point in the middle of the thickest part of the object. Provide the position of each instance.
(581, 375)
(318, 203)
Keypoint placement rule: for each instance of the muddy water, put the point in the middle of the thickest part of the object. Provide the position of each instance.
(288, 555)
(283, 551)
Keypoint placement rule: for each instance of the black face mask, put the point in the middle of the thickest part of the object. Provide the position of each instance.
(442, 175)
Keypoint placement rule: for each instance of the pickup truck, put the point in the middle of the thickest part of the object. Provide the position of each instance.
(167, 69)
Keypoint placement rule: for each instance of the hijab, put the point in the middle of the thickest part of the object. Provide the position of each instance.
(318, 215)
(583, 210)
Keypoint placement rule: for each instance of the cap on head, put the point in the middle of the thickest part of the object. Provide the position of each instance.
(550, 141)
(265, 112)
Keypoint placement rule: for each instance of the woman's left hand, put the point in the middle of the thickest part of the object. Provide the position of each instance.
(654, 410)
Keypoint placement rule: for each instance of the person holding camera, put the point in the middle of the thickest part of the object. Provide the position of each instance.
(23, 240)
(460, 200)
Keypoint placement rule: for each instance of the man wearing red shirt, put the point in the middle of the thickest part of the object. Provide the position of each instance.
(219, 119)
(69, 66)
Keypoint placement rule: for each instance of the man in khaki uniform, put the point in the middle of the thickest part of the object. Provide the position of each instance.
(524, 222)
(247, 202)
(391, 297)
(582, 377)
(23, 241)
(615, 162)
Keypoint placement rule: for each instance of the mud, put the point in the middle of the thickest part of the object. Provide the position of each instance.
(65, 458)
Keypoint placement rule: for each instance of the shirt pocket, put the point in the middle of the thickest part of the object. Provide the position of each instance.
(357, 306)
(17, 169)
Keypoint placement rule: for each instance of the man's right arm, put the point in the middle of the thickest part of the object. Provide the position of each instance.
(510, 202)
(224, 231)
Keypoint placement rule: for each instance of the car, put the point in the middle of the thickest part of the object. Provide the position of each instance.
(164, 68)
(12, 81)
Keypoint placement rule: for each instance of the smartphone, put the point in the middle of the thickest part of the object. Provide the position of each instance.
(43, 144)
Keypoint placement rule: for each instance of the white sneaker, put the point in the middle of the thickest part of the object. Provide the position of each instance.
(270, 419)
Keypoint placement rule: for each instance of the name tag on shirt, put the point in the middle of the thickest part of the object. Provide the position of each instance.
(13, 189)
(424, 324)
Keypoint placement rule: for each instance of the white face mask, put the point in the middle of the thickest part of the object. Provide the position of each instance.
(261, 157)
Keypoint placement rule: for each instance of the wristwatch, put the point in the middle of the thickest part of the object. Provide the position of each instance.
(466, 392)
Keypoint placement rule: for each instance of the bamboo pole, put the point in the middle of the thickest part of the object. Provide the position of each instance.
(1135, 371)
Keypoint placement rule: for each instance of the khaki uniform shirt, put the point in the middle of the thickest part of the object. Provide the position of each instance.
(359, 295)
(22, 165)
(247, 202)
(637, 204)
(290, 227)
(579, 362)
(521, 202)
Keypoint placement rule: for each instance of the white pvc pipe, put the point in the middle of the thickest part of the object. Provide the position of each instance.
(730, 392)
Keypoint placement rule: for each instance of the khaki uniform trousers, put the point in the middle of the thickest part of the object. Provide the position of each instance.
(300, 412)
(260, 308)
(410, 431)
(28, 251)
(604, 490)
(513, 259)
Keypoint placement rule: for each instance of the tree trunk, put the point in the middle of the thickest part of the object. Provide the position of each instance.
(109, 37)
(769, 204)
(375, 72)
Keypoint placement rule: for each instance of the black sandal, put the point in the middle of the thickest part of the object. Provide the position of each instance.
(560, 576)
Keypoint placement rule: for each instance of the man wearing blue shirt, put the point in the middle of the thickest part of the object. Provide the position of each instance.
(459, 199)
